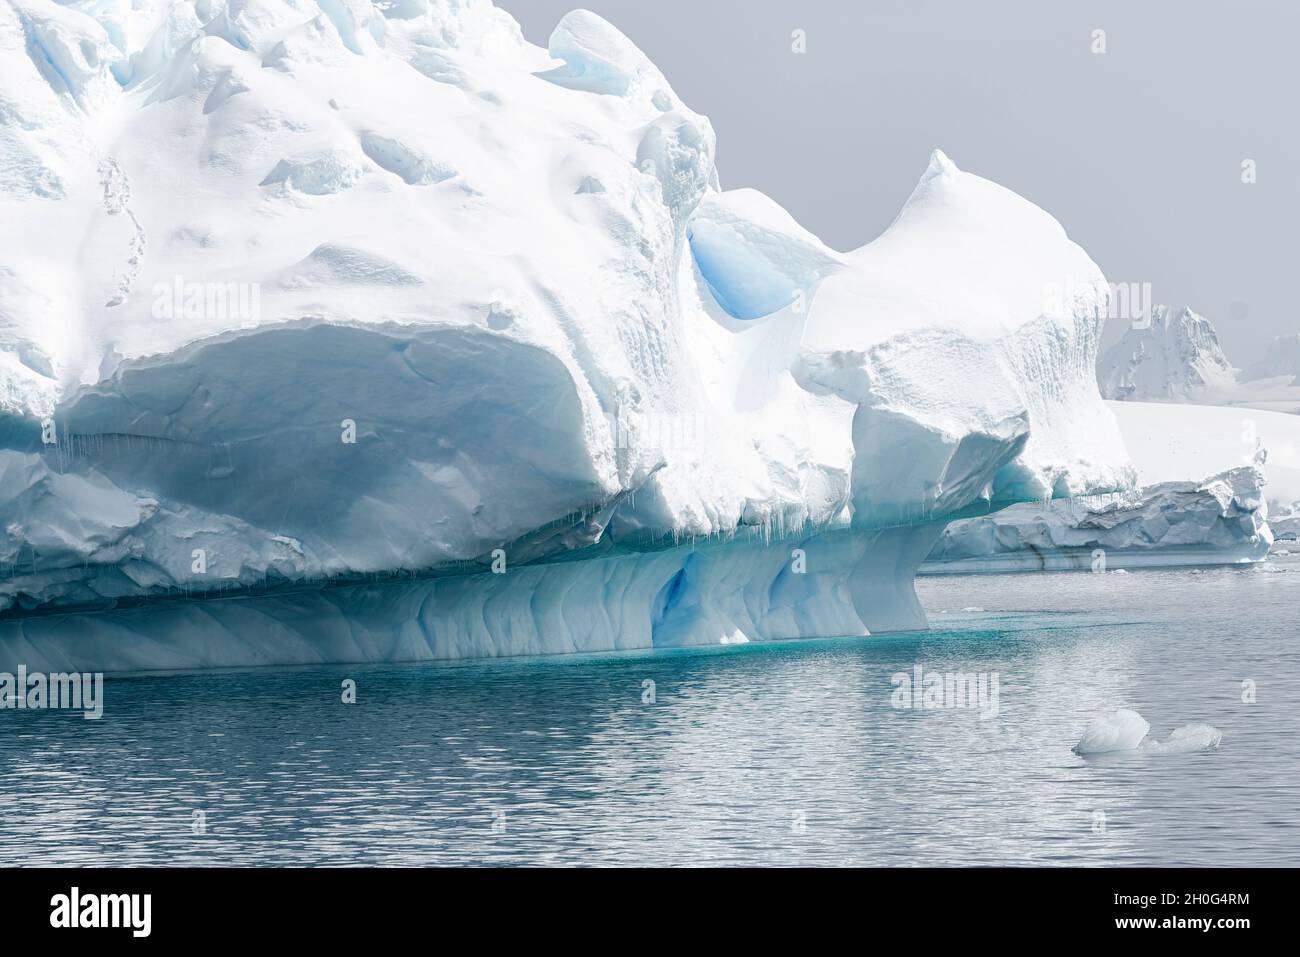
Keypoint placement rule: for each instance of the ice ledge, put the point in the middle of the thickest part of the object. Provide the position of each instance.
(1219, 521)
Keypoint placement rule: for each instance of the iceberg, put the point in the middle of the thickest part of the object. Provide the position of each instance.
(1219, 521)
(342, 331)
(1286, 526)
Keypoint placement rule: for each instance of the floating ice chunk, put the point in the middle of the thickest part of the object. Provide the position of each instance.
(1185, 740)
(1125, 730)
(1121, 730)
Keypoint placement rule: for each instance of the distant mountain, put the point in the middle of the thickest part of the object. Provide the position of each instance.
(1283, 362)
(1176, 358)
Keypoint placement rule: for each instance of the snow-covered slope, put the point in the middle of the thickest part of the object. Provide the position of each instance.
(1282, 364)
(1221, 520)
(297, 297)
(1171, 355)
(1169, 442)
(1273, 383)
(1176, 357)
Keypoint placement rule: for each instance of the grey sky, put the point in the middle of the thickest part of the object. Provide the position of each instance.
(1137, 151)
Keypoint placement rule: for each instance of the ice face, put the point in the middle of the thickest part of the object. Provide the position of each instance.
(753, 257)
(404, 293)
(1220, 520)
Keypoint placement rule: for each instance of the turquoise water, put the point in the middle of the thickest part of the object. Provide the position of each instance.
(788, 753)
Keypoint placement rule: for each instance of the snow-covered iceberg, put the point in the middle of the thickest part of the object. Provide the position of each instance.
(1221, 520)
(1286, 526)
(352, 331)
(1170, 442)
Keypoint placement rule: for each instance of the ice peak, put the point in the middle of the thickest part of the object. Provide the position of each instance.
(1176, 355)
(940, 165)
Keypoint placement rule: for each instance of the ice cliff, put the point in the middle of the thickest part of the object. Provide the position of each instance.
(1221, 520)
(405, 338)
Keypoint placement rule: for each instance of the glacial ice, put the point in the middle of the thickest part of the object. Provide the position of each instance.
(1120, 730)
(1126, 730)
(1286, 525)
(1221, 520)
(1186, 740)
(520, 377)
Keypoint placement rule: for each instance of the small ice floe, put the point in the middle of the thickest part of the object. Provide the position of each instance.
(1121, 730)
(1125, 730)
(973, 609)
(1184, 740)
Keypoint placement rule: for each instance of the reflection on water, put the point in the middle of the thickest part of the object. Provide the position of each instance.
(767, 754)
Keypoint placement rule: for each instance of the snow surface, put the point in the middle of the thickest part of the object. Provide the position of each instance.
(1173, 442)
(1221, 520)
(235, 232)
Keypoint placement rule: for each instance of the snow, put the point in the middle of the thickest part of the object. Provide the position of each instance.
(1174, 442)
(324, 305)
(1283, 362)
(1173, 355)
(1221, 520)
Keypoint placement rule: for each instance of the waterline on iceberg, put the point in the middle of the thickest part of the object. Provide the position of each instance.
(836, 582)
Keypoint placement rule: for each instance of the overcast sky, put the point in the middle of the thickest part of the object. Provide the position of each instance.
(1137, 151)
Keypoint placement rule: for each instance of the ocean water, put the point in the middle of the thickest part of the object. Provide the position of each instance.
(780, 754)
